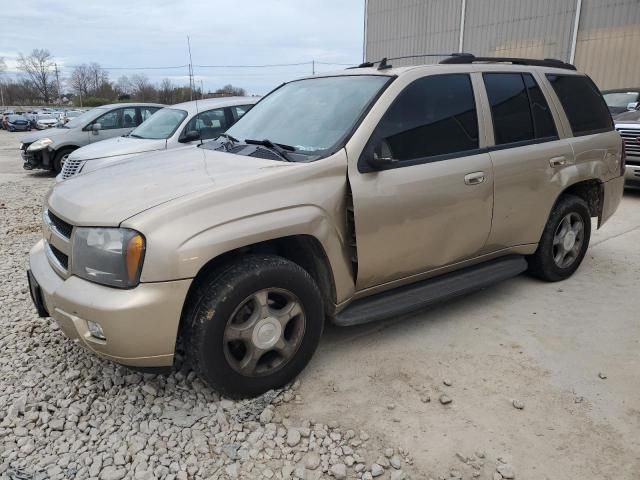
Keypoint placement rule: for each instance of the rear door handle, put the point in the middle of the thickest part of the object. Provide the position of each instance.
(475, 178)
(557, 161)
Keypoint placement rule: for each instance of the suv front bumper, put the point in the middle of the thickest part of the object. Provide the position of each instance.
(140, 325)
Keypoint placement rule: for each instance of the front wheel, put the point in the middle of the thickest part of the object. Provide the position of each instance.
(254, 325)
(59, 159)
(564, 241)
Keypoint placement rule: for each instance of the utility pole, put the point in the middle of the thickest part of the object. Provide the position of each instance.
(313, 67)
(191, 80)
(57, 81)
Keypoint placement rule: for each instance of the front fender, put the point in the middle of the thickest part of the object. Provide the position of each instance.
(196, 251)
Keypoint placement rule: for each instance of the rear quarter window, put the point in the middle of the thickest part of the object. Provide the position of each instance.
(583, 103)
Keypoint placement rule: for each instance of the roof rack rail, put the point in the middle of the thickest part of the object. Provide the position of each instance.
(384, 65)
(467, 58)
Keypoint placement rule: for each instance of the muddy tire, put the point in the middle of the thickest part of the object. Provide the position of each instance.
(253, 325)
(564, 241)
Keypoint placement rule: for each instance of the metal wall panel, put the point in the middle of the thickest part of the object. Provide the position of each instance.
(608, 46)
(519, 28)
(409, 27)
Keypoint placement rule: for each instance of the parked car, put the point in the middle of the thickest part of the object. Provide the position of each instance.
(628, 125)
(351, 196)
(18, 123)
(3, 118)
(45, 120)
(68, 115)
(48, 149)
(171, 127)
(622, 100)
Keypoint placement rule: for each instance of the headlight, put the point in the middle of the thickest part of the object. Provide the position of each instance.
(110, 256)
(39, 144)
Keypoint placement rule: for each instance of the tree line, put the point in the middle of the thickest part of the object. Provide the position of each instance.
(41, 83)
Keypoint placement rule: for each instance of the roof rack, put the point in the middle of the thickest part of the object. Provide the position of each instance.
(467, 58)
(384, 65)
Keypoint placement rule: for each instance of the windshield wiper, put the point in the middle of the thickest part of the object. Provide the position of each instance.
(134, 135)
(280, 148)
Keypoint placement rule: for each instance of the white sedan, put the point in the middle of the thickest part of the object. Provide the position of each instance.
(170, 127)
(46, 120)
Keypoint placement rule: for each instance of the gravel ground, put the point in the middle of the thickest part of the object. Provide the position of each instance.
(526, 380)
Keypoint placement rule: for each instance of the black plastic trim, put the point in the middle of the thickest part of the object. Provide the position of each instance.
(410, 298)
(547, 62)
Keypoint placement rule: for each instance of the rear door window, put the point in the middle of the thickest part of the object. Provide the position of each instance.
(433, 116)
(543, 123)
(519, 109)
(239, 110)
(209, 124)
(582, 102)
(510, 110)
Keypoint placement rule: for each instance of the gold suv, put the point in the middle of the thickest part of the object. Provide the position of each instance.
(352, 196)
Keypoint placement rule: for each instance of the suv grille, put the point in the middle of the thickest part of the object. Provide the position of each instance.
(71, 168)
(61, 257)
(631, 138)
(63, 227)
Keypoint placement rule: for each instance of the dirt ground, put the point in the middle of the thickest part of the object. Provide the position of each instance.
(545, 345)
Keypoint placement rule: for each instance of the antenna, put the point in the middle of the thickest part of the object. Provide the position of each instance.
(192, 82)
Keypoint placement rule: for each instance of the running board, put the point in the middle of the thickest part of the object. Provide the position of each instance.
(409, 298)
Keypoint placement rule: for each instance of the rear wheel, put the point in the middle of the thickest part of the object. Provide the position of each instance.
(564, 241)
(254, 325)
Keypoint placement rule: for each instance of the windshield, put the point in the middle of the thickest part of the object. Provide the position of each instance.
(620, 99)
(160, 125)
(311, 115)
(46, 116)
(86, 117)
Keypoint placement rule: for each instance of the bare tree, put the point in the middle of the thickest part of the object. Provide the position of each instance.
(3, 68)
(142, 87)
(230, 90)
(124, 86)
(79, 81)
(39, 69)
(97, 77)
(166, 92)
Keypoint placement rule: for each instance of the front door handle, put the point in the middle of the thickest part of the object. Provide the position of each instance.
(475, 178)
(557, 161)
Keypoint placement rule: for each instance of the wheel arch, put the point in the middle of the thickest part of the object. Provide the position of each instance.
(591, 191)
(303, 250)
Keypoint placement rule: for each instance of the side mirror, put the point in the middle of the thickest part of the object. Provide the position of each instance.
(382, 157)
(95, 128)
(632, 107)
(190, 136)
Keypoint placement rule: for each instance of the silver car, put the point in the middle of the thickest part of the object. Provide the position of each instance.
(171, 127)
(49, 148)
(628, 125)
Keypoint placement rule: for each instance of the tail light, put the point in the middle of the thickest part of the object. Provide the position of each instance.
(623, 159)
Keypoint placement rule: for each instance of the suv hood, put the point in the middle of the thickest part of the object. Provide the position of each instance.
(627, 117)
(108, 196)
(52, 133)
(117, 146)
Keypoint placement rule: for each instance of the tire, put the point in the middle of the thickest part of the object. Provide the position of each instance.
(234, 316)
(59, 158)
(559, 256)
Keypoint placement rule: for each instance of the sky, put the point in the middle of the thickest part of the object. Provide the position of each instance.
(121, 34)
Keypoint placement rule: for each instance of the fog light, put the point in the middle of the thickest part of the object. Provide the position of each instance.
(96, 330)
